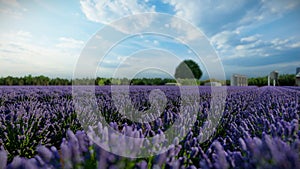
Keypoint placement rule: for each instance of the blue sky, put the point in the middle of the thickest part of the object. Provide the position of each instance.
(47, 37)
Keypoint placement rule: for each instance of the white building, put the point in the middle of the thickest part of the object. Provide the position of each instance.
(298, 76)
(212, 84)
(273, 76)
(173, 84)
(238, 80)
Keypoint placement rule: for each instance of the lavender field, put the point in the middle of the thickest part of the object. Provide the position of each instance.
(259, 128)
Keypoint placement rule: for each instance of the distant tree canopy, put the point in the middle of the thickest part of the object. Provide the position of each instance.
(283, 80)
(30, 80)
(44, 81)
(188, 69)
(258, 81)
(287, 80)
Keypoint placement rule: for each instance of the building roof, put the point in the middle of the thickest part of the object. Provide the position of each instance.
(238, 75)
(298, 75)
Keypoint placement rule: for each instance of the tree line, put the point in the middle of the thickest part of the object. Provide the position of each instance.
(45, 81)
(33, 80)
(283, 80)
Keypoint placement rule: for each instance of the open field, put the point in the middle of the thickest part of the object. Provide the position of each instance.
(41, 127)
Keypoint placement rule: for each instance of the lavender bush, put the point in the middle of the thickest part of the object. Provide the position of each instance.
(259, 128)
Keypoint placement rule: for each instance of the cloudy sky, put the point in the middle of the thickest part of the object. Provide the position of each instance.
(47, 37)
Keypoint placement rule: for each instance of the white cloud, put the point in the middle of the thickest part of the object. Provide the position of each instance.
(186, 9)
(240, 47)
(279, 6)
(183, 31)
(136, 23)
(22, 54)
(279, 42)
(12, 3)
(24, 35)
(265, 12)
(106, 11)
(11, 8)
(250, 38)
(254, 46)
(220, 40)
(295, 45)
(69, 43)
(199, 11)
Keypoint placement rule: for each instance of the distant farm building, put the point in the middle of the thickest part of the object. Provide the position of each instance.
(273, 76)
(298, 70)
(212, 84)
(173, 84)
(238, 80)
(298, 76)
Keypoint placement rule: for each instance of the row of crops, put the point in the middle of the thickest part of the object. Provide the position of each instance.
(41, 127)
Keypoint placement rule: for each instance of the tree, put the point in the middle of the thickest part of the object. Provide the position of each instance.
(286, 80)
(101, 81)
(9, 81)
(28, 80)
(107, 82)
(188, 69)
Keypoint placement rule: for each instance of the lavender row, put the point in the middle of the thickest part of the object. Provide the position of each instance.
(259, 128)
